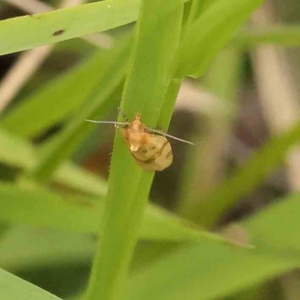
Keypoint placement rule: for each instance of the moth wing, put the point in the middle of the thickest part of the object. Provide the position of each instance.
(165, 159)
(156, 155)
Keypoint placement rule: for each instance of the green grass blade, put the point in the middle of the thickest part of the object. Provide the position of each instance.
(205, 163)
(246, 178)
(16, 151)
(57, 99)
(101, 99)
(83, 214)
(13, 287)
(213, 29)
(46, 28)
(206, 271)
(48, 209)
(269, 233)
(80, 179)
(195, 9)
(19, 153)
(156, 40)
(27, 247)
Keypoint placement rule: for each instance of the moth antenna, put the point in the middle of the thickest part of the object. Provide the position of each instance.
(120, 111)
(108, 122)
(170, 136)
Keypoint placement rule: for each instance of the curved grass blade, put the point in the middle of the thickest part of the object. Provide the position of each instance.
(213, 271)
(210, 32)
(205, 271)
(19, 153)
(101, 99)
(82, 214)
(26, 247)
(13, 287)
(57, 99)
(50, 210)
(47, 28)
(247, 178)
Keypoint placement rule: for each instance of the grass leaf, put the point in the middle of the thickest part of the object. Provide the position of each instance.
(13, 287)
(26, 247)
(246, 178)
(204, 271)
(51, 27)
(58, 98)
(212, 271)
(84, 214)
(51, 209)
(17, 152)
(94, 107)
(213, 29)
(156, 40)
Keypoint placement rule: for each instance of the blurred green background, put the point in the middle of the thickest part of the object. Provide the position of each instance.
(239, 183)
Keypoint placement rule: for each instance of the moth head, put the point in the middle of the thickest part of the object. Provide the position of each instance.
(136, 140)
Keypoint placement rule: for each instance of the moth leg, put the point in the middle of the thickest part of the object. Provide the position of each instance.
(163, 131)
(159, 130)
(120, 112)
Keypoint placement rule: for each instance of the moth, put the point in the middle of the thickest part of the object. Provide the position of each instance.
(149, 147)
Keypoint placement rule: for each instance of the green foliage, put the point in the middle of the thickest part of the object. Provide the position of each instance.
(51, 103)
(12, 287)
(47, 28)
(195, 268)
(247, 177)
(82, 214)
(213, 29)
(125, 206)
(55, 152)
(49, 192)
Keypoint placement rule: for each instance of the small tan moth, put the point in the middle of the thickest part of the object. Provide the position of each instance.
(151, 151)
(149, 147)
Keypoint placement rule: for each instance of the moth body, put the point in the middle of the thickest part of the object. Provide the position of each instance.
(151, 151)
(149, 147)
